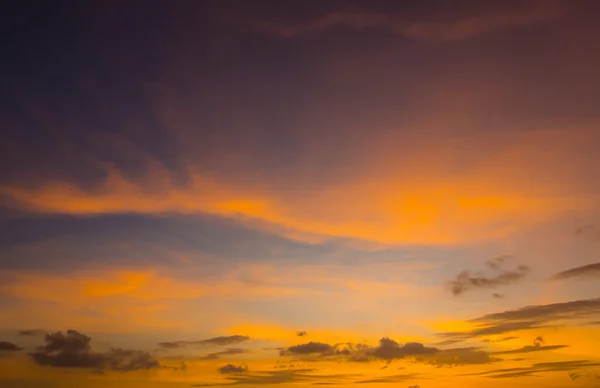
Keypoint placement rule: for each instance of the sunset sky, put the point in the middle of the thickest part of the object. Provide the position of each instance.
(297, 193)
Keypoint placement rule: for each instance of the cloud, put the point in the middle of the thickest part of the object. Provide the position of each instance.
(538, 368)
(466, 281)
(6, 346)
(229, 368)
(228, 352)
(590, 270)
(31, 332)
(531, 316)
(389, 349)
(440, 31)
(311, 347)
(389, 379)
(301, 333)
(273, 377)
(458, 356)
(73, 350)
(216, 341)
(500, 340)
(530, 349)
(498, 296)
(491, 329)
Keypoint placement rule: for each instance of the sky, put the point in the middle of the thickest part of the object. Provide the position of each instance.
(299, 193)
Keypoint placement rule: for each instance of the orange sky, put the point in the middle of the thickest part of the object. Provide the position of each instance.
(297, 194)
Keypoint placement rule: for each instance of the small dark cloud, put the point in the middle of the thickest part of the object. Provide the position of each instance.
(585, 229)
(6, 346)
(530, 349)
(311, 347)
(538, 346)
(230, 368)
(466, 280)
(73, 350)
(216, 341)
(389, 349)
(498, 296)
(389, 379)
(590, 270)
(301, 333)
(31, 332)
(504, 339)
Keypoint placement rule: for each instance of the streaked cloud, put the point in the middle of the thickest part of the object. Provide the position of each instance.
(590, 270)
(6, 346)
(216, 341)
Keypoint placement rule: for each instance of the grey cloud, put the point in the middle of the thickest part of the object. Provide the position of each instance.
(543, 313)
(498, 296)
(491, 329)
(538, 346)
(590, 270)
(311, 347)
(466, 280)
(585, 229)
(278, 377)
(31, 332)
(530, 349)
(301, 333)
(6, 346)
(228, 352)
(500, 340)
(538, 368)
(459, 356)
(389, 379)
(216, 341)
(389, 349)
(73, 350)
(230, 368)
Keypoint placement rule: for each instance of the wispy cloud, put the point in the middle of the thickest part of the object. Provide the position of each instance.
(216, 341)
(440, 31)
(538, 368)
(466, 281)
(590, 270)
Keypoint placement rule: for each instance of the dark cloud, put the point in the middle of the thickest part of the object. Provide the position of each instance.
(278, 377)
(530, 349)
(500, 340)
(6, 346)
(311, 347)
(538, 346)
(491, 329)
(531, 316)
(538, 368)
(585, 229)
(389, 349)
(590, 270)
(216, 341)
(31, 332)
(389, 379)
(73, 350)
(498, 296)
(301, 333)
(230, 368)
(466, 280)
(459, 356)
